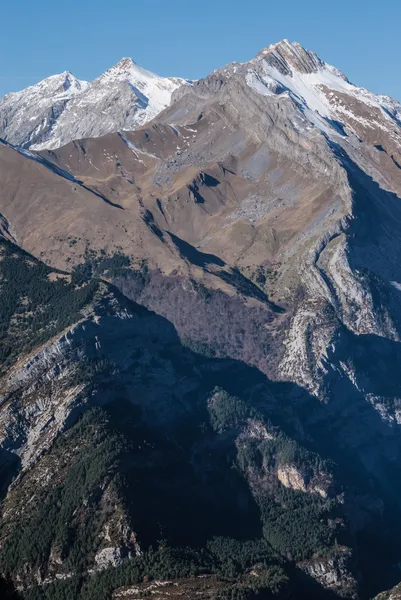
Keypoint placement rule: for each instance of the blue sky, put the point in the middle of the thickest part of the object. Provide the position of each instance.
(190, 38)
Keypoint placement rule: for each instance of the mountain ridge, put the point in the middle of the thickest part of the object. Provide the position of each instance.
(150, 94)
(209, 394)
(75, 110)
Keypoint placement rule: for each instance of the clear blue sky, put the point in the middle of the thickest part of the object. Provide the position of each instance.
(190, 37)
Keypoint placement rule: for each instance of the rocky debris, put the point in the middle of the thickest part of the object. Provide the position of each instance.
(334, 574)
(109, 557)
(257, 430)
(293, 478)
(116, 530)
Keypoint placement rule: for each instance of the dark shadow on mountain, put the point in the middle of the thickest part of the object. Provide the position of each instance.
(331, 425)
(218, 323)
(10, 464)
(376, 360)
(232, 276)
(381, 149)
(208, 180)
(183, 495)
(142, 100)
(392, 115)
(41, 159)
(199, 199)
(189, 252)
(8, 591)
(305, 587)
(149, 220)
(203, 180)
(186, 502)
(397, 164)
(99, 195)
(246, 287)
(337, 125)
(179, 475)
(373, 239)
(182, 481)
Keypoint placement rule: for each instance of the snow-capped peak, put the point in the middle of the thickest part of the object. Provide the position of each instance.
(127, 69)
(288, 57)
(322, 92)
(69, 81)
(49, 87)
(152, 90)
(62, 108)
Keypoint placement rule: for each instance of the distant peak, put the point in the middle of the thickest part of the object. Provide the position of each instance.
(127, 69)
(287, 56)
(61, 77)
(61, 82)
(125, 63)
(68, 79)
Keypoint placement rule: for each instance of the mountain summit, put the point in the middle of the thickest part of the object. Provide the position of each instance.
(287, 55)
(62, 108)
(155, 91)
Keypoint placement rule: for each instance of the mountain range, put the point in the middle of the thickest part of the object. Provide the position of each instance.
(200, 334)
(62, 108)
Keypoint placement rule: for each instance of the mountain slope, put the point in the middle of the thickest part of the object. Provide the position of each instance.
(62, 108)
(91, 423)
(259, 217)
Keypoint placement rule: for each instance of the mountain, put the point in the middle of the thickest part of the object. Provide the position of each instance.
(200, 341)
(62, 108)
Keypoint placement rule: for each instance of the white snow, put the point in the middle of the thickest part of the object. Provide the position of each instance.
(156, 91)
(310, 90)
(260, 86)
(59, 87)
(62, 108)
(124, 97)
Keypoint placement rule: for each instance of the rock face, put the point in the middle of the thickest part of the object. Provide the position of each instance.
(61, 108)
(255, 415)
(292, 478)
(334, 573)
